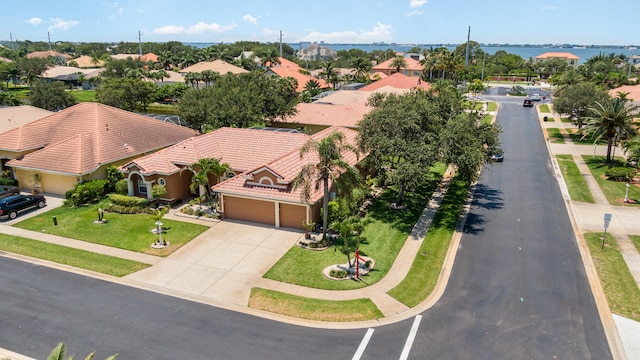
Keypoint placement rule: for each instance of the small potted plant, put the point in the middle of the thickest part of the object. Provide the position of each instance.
(308, 227)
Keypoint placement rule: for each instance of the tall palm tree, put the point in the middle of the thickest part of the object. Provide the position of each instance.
(202, 170)
(613, 120)
(429, 63)
(361, 68)
(330, 165)
(269, 57)
(329, 72)
(398, 63)
(165, 60)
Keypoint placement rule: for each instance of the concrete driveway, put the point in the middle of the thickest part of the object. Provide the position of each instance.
(53, 201)
(223, 263)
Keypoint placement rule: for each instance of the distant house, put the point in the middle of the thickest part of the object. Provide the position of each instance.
(632, 93)
(86, 61)
(220, 66)
(570, 58)
(288, 68)
(413, 68)
(80, 142)
(399, 81)
(72, 76)
(47, 54)
(125, 56)
(149, 57)
(316, 52)
(320, 115)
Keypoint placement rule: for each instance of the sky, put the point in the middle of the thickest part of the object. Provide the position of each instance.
(586, 22)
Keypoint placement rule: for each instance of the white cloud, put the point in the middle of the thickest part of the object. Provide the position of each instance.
(35, 21)
(61, 24)
(550, 7)
(417, 3)
(380, 32)
(414, 13)
(250, 19)
(198, 28)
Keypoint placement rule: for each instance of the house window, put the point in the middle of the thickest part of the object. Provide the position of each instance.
(162, 182)
(228, 175)
(142, 187)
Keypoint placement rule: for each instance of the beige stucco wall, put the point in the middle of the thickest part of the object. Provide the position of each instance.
(49, 183)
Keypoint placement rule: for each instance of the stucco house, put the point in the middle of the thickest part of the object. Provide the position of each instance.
(397, 81)
(287, 68)
(570, 58)
(219, 66)
(413, 68)
(80, 142)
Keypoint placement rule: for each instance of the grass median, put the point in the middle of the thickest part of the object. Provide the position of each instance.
(578, 189)
(427, 265)
(129, 232)
(620, 288)
(636, 241)
(555, 136)
(69, 256)
(544, 108)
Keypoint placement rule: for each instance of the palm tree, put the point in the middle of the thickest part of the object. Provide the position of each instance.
(330, 165)
(632, 150)
(59, 351)
(165, 60)
(202, 170)
(312, 87)
(398, 63)
(209, 77)
(361, 68)
(430, 63)
(613, 120)
(269, 57)
(329, 72)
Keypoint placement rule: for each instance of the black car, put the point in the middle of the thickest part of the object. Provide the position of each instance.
(11, 206)
(527, 103)
(6, 190)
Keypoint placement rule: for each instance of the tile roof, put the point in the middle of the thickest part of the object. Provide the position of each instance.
(86, 61)
(5, 60)
(632, 91)
(286, 168)
(321, 113)
(562, 55)
(46, 54)
(219, 66)
(398, 81)
(173, 77)
(288, 68)
(14, 116)
(79, 139)
(58, 71)
(149, 57)
(242, 149)
(342, 97)
(412, 64)
(125, 56)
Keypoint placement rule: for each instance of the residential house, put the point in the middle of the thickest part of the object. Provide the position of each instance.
(287, 68)
(125, 56)
(72, 76)
(570, 58)
(220, 66)
(80, 142)
(317, 116)
(87, 61)
(398, 81)
(61, 58)
(413, 68)
(13, 117)
(632, 93)
(316, 52)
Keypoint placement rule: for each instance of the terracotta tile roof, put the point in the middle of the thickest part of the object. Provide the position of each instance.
(286, 168)
(149, 57)
(218, 66)
(632, 91)
(86, 61)
(378, 75)
(242, 149)
(46, 54)
(321, 113)
(288, 68)
(81, 138)
(398, 81)
(14, 116)
(561, 55)
(58, 71)
(125, 56)
(5, 60)
(342, 97)
(412, 64)
(173, 77)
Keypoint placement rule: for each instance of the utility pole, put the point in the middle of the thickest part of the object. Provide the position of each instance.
(49, 37)
(466, 59)
(11, 40)
(280, 43)
(630, 65)
(140, 41)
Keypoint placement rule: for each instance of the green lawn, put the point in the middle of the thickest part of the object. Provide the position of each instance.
(578, 189)
(636, 241)
(427, 265)
(577, 138)
(492, 106)
(621, 290)
(565, 120)
(313, 309)
(130, 232)
(550, 119)
(613, 190)
(544, 108)
(486, 119)
(382, 239)
(555, 136)
(165, 109)
(69, 256)
(84, 95)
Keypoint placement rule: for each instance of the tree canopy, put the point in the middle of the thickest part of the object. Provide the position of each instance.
(50, 95)
(126, 93)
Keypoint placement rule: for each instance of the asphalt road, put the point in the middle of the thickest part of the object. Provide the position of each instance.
(518, 290)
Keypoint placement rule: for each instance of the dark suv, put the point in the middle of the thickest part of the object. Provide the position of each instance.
(11, 206)
(527, 103)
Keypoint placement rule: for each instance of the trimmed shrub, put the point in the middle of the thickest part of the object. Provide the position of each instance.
(128, 201)
(86, 193)
(8, 181)
(121, 187)
(620, 174)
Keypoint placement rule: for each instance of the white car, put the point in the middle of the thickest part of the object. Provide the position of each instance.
(535, 97)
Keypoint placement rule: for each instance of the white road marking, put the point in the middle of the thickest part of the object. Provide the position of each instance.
(411, 338)
(363, 345)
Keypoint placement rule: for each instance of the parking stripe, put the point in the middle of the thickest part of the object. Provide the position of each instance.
(363, 345)
(411, 338)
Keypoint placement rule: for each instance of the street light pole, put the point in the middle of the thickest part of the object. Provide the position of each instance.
(626, 193)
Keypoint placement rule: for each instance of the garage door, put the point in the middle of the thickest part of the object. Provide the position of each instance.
(249, 210)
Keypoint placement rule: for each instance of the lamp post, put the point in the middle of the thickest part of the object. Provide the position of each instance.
(159, 230)
(626, 193)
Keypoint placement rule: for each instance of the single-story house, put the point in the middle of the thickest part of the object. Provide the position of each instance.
(47, 54)
(219, 66)
(320, 115)
(413, 68)
(398, 81)
(287, 68)
(73, 76)
(80, 142)
(632, 93)
(87, 61)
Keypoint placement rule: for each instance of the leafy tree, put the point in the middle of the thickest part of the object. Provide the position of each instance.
(171, 92)
(50, 95)
(9, 99)
(612, 120)
(330, 166)
(475, 87)
(119, 67)
(632, 150)
(574, 100)
(126, 93)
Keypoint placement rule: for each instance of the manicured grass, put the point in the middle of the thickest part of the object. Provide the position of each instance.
(550, 119)
(555, 136)
(313, 309)
(84, 95)
(544, 108)
(21, 92)
(130, 232)
(486, 119)
(621, 290)
(165, 109)
(636, 241)
(578, 189)
(577, 138)
(613, 190)
(565, 120)
(69, 256)
(381, 240)
(427, 265)
(492, 106)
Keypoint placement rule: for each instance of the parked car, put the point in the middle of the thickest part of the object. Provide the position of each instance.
(497, 156)
(527, 103)
(536, 97)
(11, 206)
(7, 190)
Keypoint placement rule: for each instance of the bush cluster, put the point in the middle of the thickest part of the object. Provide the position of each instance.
(128, 201)
(620, 173)
(338, 274)
(8, 181)
(86, 193)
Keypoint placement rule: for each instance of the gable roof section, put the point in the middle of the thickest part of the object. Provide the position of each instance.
(398, 81)
(125, 56)
(412, 64)
(86, 61)
(15, 116)
(242, 149)
(560, 55)
(286, 168)
(218, 66)
(149, 57)
(321, 113)
(63, 72)
(79, 139)
(288, 68)
(632, 91)
(46, 54)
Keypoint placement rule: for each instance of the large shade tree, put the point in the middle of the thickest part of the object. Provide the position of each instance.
(329, 166)
(574, 100)
(611, 119)
(50, 95)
